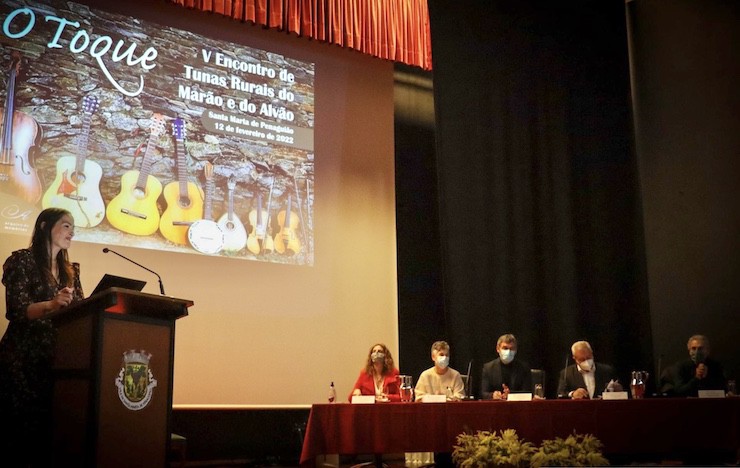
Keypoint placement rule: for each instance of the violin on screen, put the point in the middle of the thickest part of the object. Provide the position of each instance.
(19, 133)
(259, 240)
(286, 241)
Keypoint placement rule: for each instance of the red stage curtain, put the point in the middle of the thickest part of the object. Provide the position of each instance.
(395, 30)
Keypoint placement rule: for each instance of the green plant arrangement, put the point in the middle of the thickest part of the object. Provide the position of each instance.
(574, 450)
(486, 448)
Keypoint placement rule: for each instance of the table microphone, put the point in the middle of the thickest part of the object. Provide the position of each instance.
(468, 392)
(161, 286)
(659, 377)
(565, 371)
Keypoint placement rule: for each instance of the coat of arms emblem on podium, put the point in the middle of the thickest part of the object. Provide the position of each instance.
(135, 380)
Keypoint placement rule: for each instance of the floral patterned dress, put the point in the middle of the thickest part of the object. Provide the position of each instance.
(27, 346)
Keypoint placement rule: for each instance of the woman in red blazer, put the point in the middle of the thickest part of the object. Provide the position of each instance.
(379, 377)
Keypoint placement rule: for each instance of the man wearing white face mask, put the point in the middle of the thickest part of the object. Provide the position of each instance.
(438, 379)
(506, 373)
(585, 378)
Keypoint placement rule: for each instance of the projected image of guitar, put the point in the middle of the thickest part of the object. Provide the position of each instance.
(76, 187)
(235, 236)
(20, 130)
(205, 235)
(184, 198)
(134, 210)
(286, 241)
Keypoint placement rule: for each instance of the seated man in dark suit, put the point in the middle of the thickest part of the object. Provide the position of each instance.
(585, 378)
(699, 372)
(506, 373)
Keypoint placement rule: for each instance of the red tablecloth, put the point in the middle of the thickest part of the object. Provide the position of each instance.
(654, 426)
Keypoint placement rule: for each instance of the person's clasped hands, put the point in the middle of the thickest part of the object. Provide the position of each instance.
(501, 395)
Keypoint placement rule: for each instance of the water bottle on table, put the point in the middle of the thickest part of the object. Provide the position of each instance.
(332, 393)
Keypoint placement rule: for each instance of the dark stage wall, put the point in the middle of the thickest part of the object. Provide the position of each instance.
(554, 224)
(686, 95)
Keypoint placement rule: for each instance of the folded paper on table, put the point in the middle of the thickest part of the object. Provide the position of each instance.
(363, 399)
(429, 398)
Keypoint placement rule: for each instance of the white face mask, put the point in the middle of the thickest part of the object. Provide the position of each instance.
(586, 365)
(377, 356)
(443, 361)
(507, 355)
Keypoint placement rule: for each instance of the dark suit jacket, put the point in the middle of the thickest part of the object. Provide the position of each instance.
(680, 380)
(491, 380)
(573, 379)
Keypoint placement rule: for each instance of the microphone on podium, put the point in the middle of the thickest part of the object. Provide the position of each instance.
(161, 286)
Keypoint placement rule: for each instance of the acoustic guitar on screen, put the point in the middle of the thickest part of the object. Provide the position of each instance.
(134, 210)
(20, 131)
(184, 198)
(76, 187)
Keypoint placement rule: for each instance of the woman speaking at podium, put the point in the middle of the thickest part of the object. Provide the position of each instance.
(38, 280)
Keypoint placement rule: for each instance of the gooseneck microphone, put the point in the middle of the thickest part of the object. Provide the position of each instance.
(468, 382)
(659, 378)
(565, 379)
(161, 286)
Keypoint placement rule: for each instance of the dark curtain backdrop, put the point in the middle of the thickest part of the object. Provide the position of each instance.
(421, 318)
(539, 222)
(686, 71)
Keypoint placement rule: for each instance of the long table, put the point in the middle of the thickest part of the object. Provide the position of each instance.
(669, 428)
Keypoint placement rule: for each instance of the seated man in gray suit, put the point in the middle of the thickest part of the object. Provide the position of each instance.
(506, 373)
(585, 378)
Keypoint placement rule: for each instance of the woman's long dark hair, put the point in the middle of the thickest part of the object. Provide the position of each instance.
(41, 247)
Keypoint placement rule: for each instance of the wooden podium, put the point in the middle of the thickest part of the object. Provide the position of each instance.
(113, 366)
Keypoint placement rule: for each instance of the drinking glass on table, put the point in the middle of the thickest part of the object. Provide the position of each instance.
(406, 388)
